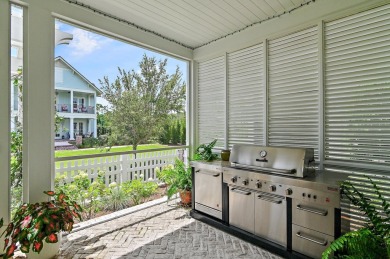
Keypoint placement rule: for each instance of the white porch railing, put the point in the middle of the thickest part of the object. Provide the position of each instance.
(119, 167)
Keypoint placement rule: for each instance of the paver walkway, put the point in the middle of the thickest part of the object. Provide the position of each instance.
(161, 231)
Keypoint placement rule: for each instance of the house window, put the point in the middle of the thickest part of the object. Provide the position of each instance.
(75, 128)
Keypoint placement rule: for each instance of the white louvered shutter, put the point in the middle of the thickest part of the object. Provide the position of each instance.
(357, 100)
(211, 101)
(293, 102)
(245, 91)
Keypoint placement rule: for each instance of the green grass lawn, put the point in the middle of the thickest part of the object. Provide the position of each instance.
(91, 151)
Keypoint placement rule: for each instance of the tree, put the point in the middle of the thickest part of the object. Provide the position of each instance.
(141, 102)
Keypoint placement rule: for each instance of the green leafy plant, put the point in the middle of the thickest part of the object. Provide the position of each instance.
(35, 223)
(139, 190)
(177, 177)
(87, 194)
(372, 241)
(205, 152)
(115, 198)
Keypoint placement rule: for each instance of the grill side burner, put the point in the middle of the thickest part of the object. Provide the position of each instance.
(294, 162)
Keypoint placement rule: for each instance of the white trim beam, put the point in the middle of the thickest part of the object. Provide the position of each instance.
(110, 27)
(5, 112)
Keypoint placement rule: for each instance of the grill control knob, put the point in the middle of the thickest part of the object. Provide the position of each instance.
(258, 184)
(245, 182)
(233, 179)
(289, 191)
(272, 188)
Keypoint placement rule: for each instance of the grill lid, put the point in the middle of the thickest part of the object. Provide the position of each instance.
(278, 160)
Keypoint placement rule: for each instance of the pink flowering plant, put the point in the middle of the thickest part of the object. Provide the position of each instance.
(35, 223)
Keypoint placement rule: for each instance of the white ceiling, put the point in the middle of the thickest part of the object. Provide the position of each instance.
(193, 23)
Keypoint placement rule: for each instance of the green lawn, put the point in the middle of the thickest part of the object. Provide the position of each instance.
(90, 151)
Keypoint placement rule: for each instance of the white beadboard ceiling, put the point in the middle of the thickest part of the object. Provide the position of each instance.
(192, 23)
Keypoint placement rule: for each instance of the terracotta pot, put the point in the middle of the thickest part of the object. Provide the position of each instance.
(185, 197)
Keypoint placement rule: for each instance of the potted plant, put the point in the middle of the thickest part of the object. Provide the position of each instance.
(371, 241)
(178, 177)
(205, 152)
(35, 223)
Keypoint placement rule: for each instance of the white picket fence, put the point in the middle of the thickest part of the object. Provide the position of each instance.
(118, 167)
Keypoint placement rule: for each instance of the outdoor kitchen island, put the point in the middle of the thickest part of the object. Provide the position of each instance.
(294, 217)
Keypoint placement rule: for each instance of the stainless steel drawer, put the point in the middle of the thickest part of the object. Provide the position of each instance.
(313, 216)
(309, 242)
(242, 208)
(270, 217)
(208, 188)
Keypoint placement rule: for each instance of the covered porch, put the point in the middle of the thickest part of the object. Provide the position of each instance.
(275, 73)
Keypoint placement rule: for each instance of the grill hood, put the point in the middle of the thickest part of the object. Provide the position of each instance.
(279, 160)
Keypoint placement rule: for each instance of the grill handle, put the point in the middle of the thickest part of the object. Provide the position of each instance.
(215, 175)
(311, 210)
(319, 242)
(240, 191)
(265, 198)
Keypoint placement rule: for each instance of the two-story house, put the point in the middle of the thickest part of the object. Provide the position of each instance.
(75, 101)
(75, 95)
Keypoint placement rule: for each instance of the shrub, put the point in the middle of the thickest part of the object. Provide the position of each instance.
(115, 198)
(84, 192)
(139, 190)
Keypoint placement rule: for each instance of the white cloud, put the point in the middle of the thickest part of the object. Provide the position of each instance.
(85, 42)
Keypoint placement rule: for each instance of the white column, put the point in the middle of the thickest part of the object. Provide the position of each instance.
(95, 128)
(38, 101)
(71, 102)
(71, 132)
(5, 112)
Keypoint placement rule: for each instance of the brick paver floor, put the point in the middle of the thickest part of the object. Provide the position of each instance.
(161, 231)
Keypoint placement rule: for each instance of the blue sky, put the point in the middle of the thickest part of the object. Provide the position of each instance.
(96, 56)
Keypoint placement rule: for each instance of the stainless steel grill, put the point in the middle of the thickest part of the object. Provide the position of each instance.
(263, 180)
(295, 162)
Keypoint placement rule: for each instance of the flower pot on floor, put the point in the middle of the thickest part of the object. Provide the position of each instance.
(185, 197)
(49, 250)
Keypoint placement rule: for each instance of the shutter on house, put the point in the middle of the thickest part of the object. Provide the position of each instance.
(294, 90)
(245, 91)
(211, 101)
(357, 100)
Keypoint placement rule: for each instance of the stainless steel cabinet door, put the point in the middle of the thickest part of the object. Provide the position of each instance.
(271, 218)
(208, 188)
(241, 208)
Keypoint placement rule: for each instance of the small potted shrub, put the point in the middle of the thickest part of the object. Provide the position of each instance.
(205, 152)
(34, 224)
(178, 177)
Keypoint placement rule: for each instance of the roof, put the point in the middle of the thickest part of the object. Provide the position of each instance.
(99, 92)
(189, 23)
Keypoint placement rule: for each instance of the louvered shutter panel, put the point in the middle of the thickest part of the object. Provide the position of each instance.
(245, 91)
(211, 101)
(357, 100)
(293, 114)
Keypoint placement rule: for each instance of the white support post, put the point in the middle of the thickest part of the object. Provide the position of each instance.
(192, 105)
(5, 98)
(321, 101)
(71, 132)
(38, 97)
(71, 102)
(94, 128)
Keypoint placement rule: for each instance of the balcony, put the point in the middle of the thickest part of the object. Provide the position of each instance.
(66, 108)
(83, 109)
